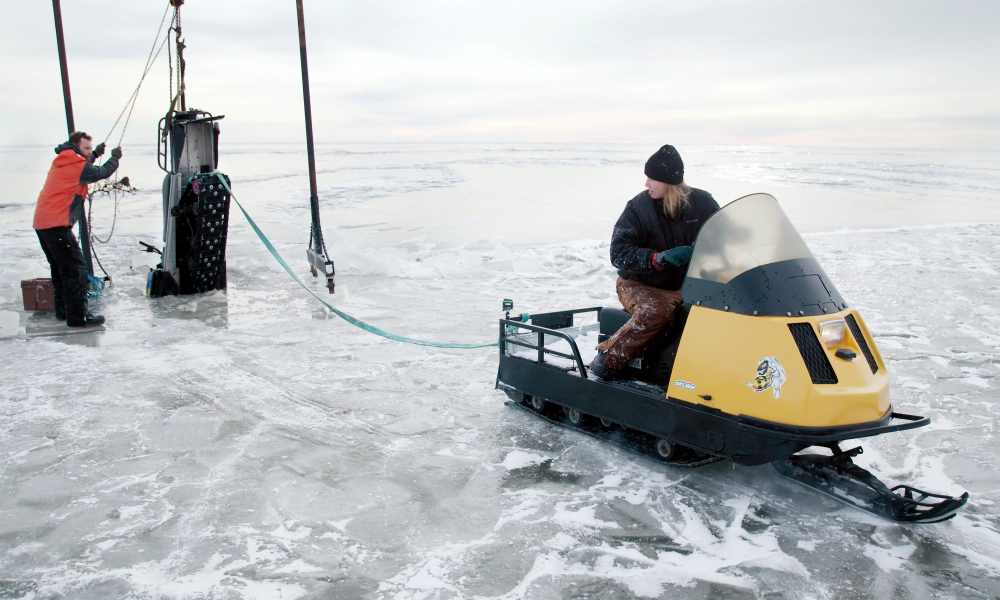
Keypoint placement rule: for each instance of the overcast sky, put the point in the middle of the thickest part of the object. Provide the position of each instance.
(886, 73)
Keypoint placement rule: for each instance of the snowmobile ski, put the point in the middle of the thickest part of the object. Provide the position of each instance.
(629, 440)
(838, 477)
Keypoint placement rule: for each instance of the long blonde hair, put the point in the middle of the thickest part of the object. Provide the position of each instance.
(675, 199)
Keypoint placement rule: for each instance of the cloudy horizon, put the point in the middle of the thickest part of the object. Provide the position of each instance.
(851, 74)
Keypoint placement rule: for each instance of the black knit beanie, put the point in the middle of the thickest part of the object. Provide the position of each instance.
(666, 165)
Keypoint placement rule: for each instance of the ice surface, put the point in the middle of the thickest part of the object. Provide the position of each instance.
(247, 445)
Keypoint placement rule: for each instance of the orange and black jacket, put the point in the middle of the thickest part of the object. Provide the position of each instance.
(67, 180)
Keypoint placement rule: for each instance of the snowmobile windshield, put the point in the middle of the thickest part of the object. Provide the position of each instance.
(749, 258)
(749, 232)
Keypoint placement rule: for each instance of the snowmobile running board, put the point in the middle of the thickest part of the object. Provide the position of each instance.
(838, 477)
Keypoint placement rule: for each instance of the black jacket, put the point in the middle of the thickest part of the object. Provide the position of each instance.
(644, 229)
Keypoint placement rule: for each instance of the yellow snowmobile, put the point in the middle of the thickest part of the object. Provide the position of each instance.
(765, 360)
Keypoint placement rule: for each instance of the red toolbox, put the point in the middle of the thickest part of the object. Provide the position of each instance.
(38, 294)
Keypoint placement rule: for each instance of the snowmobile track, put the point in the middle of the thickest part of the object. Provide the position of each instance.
(629, 440)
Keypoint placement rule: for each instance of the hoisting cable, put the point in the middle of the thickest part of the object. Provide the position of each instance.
(116, 186)
(114, 219)
(154, 53)
(97, 258)
(114, 189)
(343, 315)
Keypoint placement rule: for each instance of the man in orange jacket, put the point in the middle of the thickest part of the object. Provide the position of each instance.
(65, 186)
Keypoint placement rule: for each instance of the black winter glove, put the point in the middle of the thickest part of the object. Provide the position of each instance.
(116, 152)
(99, 150)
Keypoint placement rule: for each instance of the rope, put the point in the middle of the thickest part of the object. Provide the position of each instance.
(93, 252)
(170, 70)
(115, 189)
(114, 219)
(343, 315)
(154, 53)
(135, 96)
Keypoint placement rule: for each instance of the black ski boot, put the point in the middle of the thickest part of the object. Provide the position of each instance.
(89, 320)
(599, 367)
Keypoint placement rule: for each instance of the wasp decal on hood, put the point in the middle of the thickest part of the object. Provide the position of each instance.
(770, 376)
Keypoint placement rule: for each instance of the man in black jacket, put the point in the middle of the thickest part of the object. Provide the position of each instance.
(651, 247)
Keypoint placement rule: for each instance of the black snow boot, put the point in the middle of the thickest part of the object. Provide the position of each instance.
(599, 367)
(90, 320)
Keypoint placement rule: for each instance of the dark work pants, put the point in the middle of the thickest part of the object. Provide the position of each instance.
(68, 272)
(652, 312)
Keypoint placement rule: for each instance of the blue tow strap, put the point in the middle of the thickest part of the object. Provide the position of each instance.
(343, 315)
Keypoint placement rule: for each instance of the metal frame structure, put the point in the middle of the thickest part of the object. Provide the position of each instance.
(319, 260)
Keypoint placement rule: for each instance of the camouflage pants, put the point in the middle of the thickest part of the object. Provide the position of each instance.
(652, 312)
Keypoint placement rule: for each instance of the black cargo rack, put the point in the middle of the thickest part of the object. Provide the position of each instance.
(546, 324)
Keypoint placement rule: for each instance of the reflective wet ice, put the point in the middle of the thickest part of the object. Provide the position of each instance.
(247, 445)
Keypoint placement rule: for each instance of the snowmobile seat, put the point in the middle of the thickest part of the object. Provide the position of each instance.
(656, 362)
(611, 320)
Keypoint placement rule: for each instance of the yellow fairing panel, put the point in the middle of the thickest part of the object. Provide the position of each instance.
(752, 366)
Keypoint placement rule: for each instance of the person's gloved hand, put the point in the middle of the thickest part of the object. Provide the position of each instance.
(99, 150)
(116, 152)
(679, 256)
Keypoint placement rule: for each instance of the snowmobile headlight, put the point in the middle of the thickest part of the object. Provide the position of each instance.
(832, 332)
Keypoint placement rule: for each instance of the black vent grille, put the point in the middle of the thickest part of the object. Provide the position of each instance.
(820, 369)
(862, 342)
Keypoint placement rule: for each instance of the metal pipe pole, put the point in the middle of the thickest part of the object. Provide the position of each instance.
(78, 209)
(307, 104)
(181, 63)
(318, 261)
(61, 45)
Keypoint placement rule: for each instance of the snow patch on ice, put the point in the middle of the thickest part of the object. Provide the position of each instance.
(888, 557)
(430, 576)
(291, 531)
(582, 517)
(519, 459)
(156, 580)
(10, 323)
(643, 576)
(561, 541)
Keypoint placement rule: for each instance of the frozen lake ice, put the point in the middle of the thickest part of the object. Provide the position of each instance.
(246, 444)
